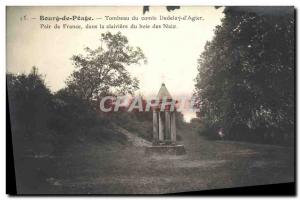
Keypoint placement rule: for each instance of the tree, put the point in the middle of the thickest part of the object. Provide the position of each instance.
(103, 70)
(28, 94)
(246, 73)
(30, 110)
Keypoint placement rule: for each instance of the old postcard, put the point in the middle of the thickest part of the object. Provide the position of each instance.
(150, 99)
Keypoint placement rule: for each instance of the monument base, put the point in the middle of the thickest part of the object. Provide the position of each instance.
(165, 149)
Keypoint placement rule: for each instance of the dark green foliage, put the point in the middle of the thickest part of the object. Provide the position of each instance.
(30, 110)
(43, 123)
(139, 123)
(70, 110)
(179, 120)
(103, 70)
(28, 94)
(58, 120)
(246, 75)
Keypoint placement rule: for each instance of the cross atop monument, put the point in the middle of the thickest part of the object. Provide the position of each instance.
(162, 77)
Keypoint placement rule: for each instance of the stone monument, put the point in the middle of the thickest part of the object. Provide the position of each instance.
(164, 125)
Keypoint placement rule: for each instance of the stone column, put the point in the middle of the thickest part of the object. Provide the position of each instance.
(155, 127)
(168, 126)
(173, 128)
(160, 128)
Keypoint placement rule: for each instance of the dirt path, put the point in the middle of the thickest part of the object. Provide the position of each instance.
(124, 169)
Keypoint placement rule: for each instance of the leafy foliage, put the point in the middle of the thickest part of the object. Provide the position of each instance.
(103, 70)
(28, 94)
(29, 106)
(41, 119)
(46, 123)
(246, 75)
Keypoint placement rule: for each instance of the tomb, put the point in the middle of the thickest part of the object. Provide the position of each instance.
(164, 126)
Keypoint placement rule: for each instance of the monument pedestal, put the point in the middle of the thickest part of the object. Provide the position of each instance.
(165, 150)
